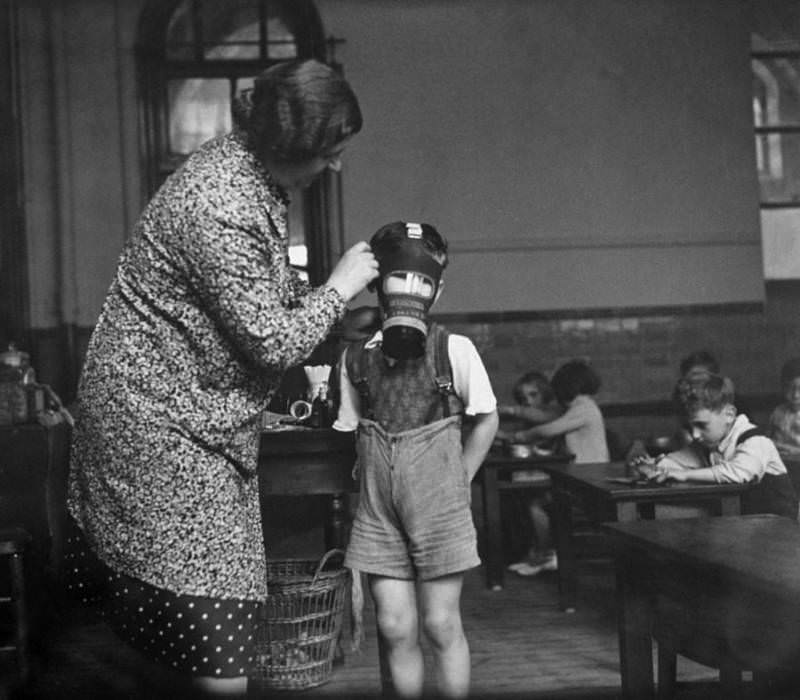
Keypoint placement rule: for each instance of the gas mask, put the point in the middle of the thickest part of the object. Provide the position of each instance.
(408, 283)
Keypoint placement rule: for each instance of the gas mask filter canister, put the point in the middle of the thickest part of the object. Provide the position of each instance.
(409, 280)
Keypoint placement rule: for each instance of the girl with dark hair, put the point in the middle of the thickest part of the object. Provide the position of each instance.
(202, 319)
(574, 384)
(535, 403)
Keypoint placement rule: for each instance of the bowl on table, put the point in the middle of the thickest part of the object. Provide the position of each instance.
(520, 450)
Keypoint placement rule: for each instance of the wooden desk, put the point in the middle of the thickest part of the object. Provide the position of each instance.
(34, 463)
(307, 462)
(605, 500)
(493, 477)
(748, 566)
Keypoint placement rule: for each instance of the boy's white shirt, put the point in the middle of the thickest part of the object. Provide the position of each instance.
(470, 382)
(730, 462)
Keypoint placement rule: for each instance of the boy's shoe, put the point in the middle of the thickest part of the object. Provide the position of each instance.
(517, 565)
(548, 562)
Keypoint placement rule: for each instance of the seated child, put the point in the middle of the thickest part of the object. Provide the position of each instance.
(784, 423)
(696, 365)
(574, 384)
(405, 389)
(535, 403)
(727, 447)
(535, 400)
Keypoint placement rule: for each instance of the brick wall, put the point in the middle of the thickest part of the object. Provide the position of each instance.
(637, 356)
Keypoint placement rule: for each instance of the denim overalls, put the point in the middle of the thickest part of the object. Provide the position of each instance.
(414, 519)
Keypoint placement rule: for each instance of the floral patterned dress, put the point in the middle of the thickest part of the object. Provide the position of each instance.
(202, 318)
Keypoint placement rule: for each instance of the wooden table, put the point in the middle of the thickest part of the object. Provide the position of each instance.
(307, 462)
(34, 463)
(606, 500)
(748, 566)
(493, 477)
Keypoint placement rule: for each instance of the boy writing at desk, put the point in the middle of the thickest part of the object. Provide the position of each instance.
(726, 447)
(405, 389)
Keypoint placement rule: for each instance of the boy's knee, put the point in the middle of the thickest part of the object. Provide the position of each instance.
(442, 628)
(397, 626)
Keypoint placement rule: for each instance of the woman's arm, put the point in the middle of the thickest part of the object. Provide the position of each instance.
(242, 278)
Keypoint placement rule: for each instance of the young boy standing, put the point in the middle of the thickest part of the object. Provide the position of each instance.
(405, 390)
(727, 448)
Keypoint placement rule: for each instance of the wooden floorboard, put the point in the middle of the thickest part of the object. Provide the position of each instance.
(521, 644)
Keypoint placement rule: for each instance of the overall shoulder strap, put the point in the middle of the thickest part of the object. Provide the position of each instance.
(443, 372)
(747, 434)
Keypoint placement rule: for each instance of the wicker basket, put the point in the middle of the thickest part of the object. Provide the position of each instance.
(300, 622)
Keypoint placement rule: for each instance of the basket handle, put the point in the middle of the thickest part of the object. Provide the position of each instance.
(324, 560)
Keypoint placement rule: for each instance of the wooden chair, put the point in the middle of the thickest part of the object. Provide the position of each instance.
(13, 543)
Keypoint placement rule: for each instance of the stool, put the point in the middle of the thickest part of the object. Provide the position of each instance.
(13, 542)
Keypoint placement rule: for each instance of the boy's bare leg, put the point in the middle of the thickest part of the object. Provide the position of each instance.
(396, 612)
(541, 525)
(440, 603)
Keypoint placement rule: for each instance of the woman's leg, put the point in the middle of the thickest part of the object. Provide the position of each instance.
(396, 613)
(221, 687)
(440, 604)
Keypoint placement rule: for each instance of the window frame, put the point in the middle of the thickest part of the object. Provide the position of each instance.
(778, 129)
(321, 203)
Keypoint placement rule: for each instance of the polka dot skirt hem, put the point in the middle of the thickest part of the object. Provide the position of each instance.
(192, 634)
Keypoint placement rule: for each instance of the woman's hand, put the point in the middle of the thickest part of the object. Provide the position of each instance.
(355, 269)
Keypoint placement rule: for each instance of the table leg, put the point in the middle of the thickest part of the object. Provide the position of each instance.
(566, 551)
(492, 528)
(635, 644)
(730, 505)
(337, 522)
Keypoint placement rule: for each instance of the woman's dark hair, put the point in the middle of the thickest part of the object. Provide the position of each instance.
(573, 378)
(538, 379)
(699, 358)
(297, 111)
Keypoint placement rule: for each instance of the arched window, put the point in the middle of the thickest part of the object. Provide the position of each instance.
(775, 61)
(194, 56)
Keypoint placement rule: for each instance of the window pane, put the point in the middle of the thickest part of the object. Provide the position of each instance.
(280, 41)
(780, 233)
(776, 91)
(244, 84)
(298, 251)
(778, 157)
(231, 29)
(180, 33)
(777, 25)
(199, 109)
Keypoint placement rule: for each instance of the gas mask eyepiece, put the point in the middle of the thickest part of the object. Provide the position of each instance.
(409, 280)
